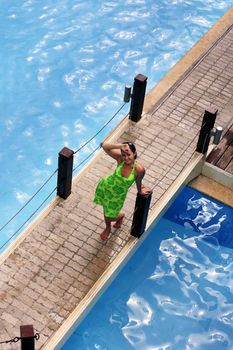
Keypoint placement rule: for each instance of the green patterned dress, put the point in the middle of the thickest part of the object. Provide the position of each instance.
(111, 191)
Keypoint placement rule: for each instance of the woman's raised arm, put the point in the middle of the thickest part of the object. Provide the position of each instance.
(114, 149)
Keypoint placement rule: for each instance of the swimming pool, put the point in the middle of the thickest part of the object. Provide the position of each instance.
(63, 70)
(176, 290)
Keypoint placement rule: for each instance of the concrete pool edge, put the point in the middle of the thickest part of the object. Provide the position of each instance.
(192, 170)
(214, 182)
(218, 175)
(213, 189)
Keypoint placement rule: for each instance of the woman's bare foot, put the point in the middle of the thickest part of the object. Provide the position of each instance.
(104, 235)
(119, 222)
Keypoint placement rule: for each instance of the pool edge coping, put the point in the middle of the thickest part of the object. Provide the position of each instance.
(218, 175)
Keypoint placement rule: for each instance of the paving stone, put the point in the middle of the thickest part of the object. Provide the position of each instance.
(9, 318)
(65, 278)
(51, 269)
(70, 246)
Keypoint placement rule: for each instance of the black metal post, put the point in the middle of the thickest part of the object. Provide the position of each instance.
(27, 337)
(65, 168)
(205, 132)
(138, 95)
(141, 210)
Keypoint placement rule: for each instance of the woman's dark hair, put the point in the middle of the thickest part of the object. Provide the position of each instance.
(132, 147)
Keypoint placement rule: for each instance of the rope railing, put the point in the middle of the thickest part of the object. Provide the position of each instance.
(65, 161)
(143, 205)
(92, 138)
(21, 226)
(98, 132)
(169, 166)
(176, 159)
(66, 157)
(30, 199)
(36, 193)
(84, 160)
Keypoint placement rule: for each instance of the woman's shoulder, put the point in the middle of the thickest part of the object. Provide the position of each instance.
(140, 169)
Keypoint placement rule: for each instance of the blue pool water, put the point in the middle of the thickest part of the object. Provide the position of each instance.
(175, 292)
(63, 68)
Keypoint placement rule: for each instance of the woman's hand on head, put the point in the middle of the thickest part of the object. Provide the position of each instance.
(125, 148)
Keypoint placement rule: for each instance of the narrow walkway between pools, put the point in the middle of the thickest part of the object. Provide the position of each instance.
(52, 269)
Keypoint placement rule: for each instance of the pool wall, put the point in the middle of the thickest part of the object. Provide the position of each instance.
(218, 175)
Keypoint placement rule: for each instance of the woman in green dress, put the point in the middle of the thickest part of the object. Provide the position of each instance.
(111, 191)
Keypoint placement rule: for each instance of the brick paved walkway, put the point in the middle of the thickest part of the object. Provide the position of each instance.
(46, 277)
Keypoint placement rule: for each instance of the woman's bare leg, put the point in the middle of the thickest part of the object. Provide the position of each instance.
(119, 220)
(106, 232)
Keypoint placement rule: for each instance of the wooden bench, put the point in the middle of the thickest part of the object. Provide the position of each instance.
(222, 155)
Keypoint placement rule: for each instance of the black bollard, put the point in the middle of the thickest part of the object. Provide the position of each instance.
(27, 337)
(206, 128)
(141, 210)
(137, 98)
(65, 168)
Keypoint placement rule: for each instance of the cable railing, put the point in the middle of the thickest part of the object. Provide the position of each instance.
(170, 165)
(93, 137)
(29, 218)
(202, 145)
(84, 160)
(50, 177)
(205, 134)
(30, 199)
(65, 161)
(101, 129)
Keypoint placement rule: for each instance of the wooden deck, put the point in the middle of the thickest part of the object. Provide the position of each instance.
(222, 155)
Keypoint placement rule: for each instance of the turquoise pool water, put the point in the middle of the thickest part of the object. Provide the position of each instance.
(176, 291)
(63, 68)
